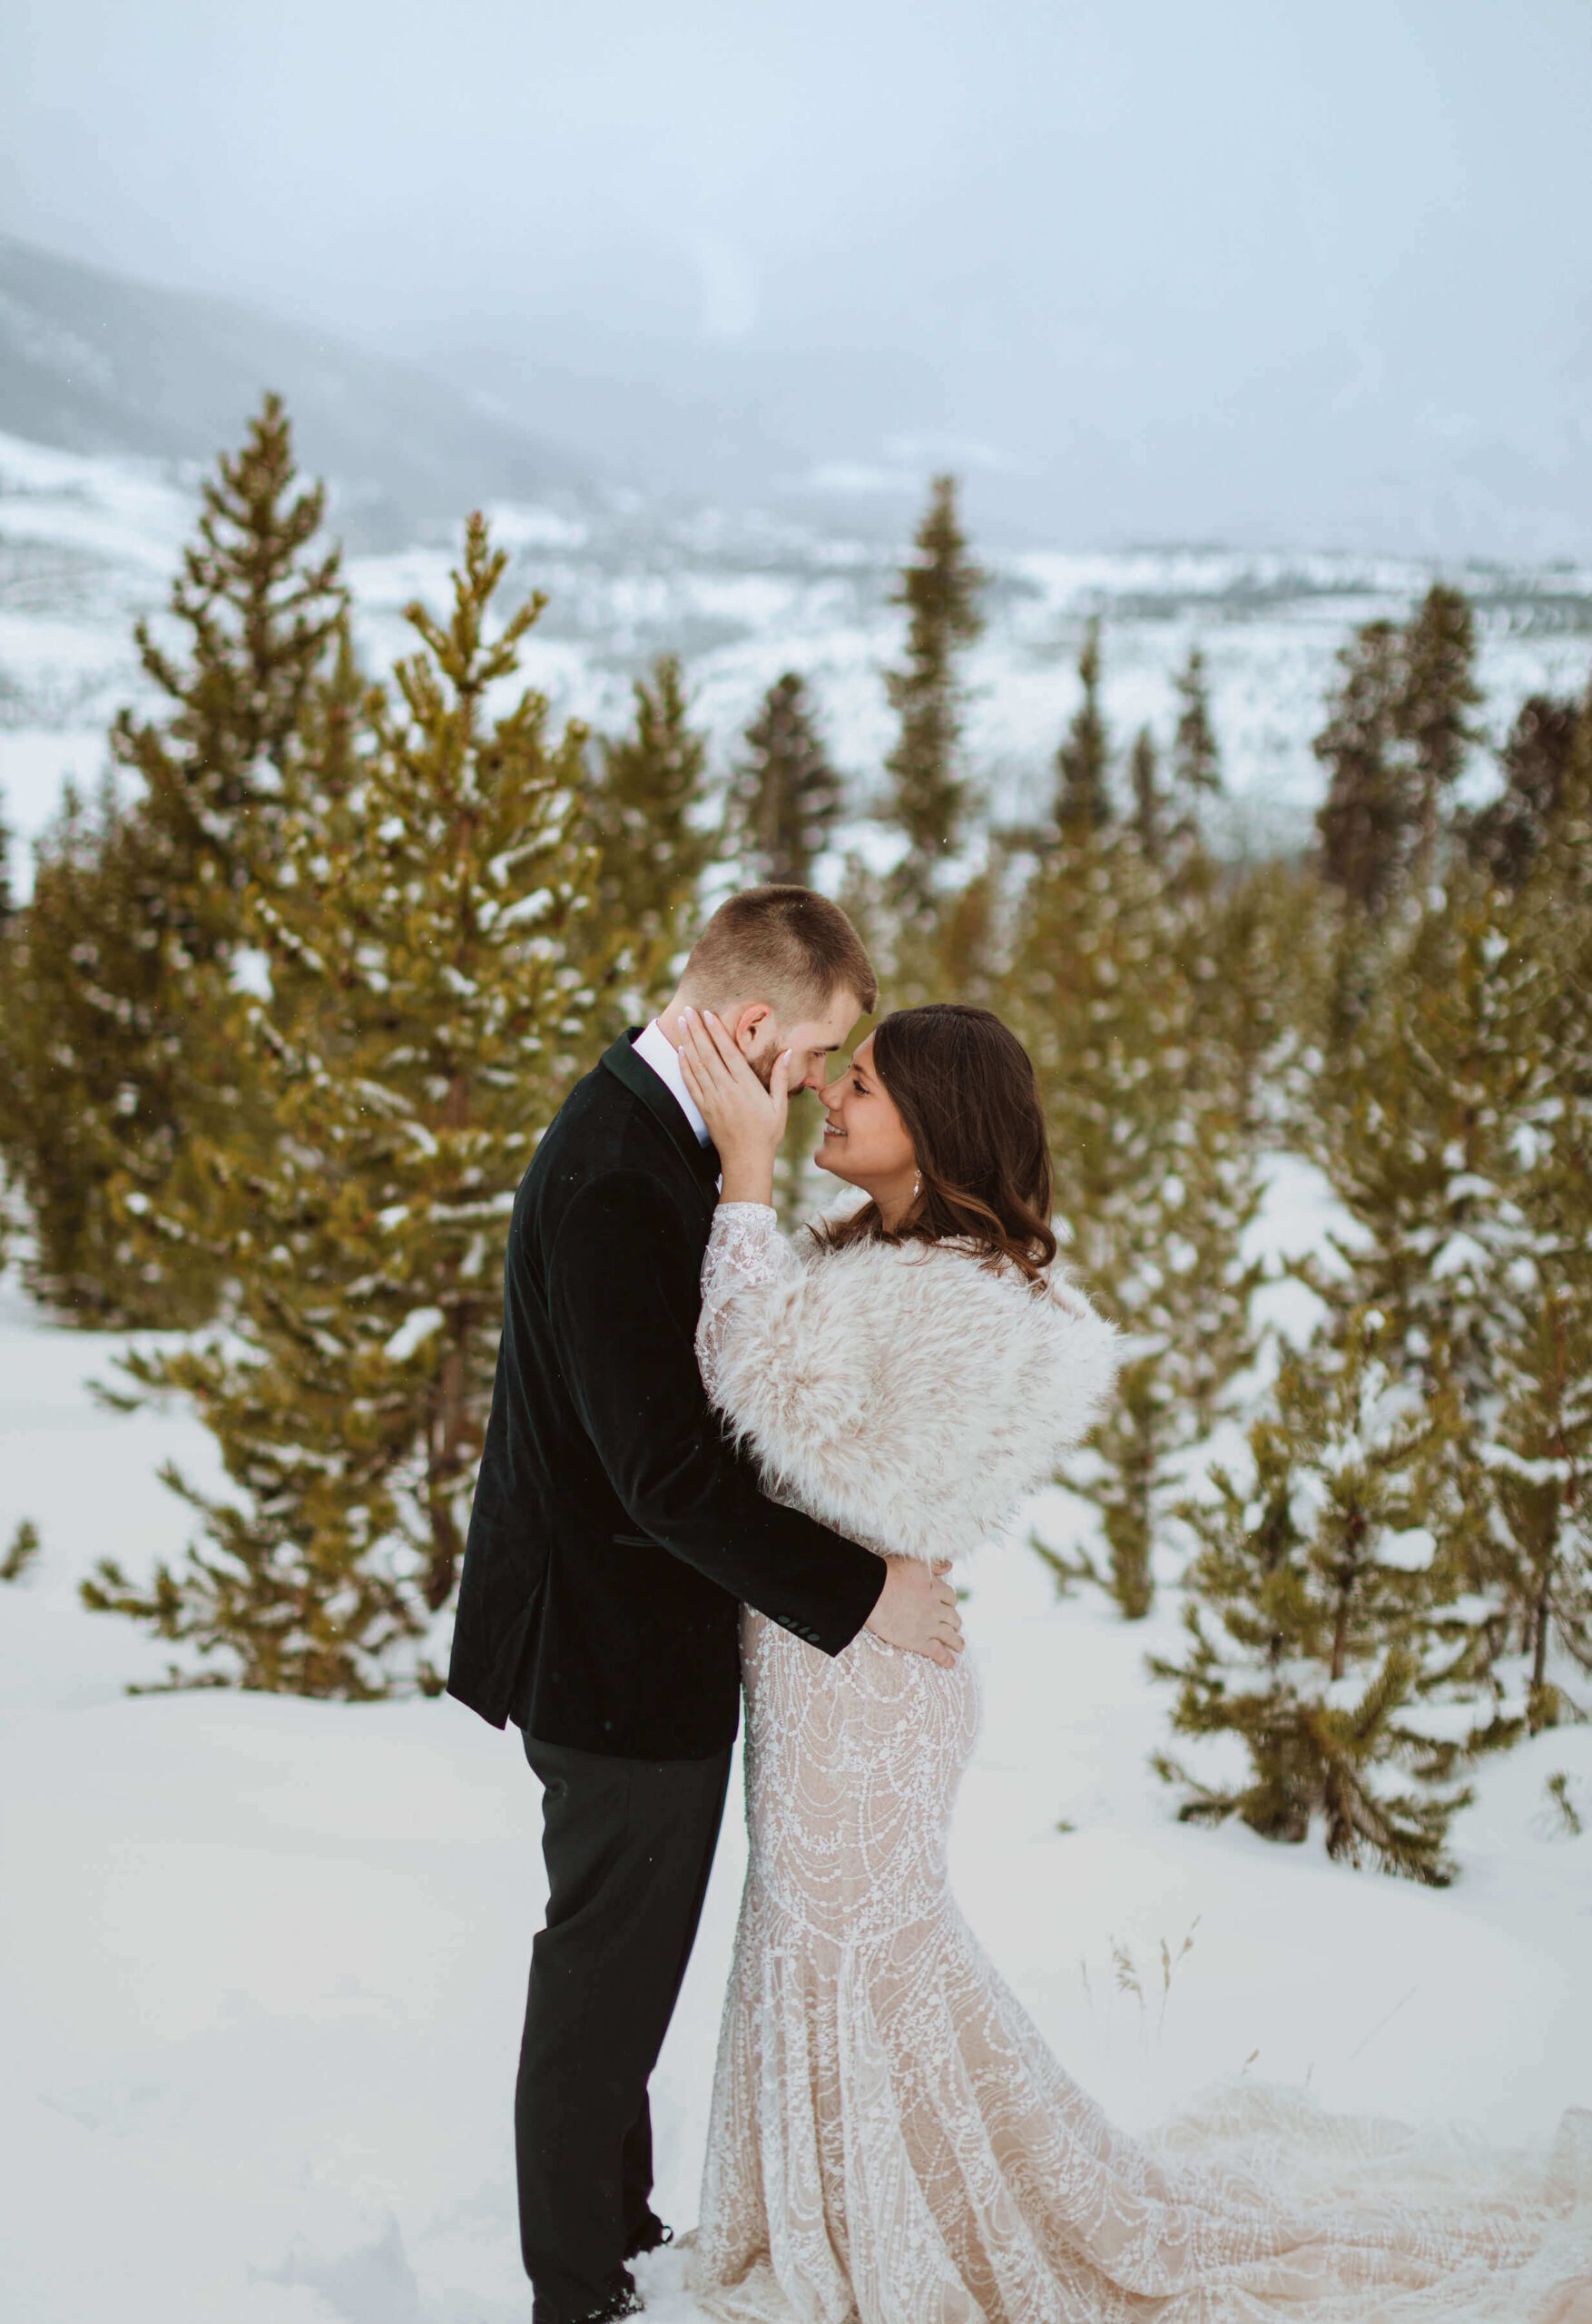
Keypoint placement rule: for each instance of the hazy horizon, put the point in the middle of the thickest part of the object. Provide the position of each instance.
(1138, 271)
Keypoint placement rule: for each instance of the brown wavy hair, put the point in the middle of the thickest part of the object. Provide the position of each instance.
(965, 1089)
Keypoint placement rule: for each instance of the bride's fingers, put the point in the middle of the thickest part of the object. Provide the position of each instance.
(708, 1043)
(735, 1065)
(691, 1071)
(704, 1056)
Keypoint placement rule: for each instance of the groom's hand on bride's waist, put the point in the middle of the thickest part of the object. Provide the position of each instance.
(917, 1610)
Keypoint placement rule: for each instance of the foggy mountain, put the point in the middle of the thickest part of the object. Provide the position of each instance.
(94, 362)
(745, 509)
(1269, 277)
(414, 422)
(845, 437)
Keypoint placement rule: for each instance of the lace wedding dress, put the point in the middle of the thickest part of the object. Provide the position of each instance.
(891, 2141)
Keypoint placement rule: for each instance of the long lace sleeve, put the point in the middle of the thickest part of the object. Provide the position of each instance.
(745, 1249)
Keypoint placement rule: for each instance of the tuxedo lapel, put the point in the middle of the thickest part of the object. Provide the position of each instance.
(636, 1076)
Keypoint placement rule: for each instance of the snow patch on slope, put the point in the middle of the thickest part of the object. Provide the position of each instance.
(264, 1959)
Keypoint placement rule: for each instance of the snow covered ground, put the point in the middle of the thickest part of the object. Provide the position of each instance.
(264, 1959)
(85, 543)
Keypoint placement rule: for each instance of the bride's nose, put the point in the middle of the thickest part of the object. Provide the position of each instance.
(830, 1095)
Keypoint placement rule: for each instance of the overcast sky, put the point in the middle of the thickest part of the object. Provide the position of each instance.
(1250, 231)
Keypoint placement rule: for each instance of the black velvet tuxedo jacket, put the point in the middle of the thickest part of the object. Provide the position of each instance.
(614, 1530)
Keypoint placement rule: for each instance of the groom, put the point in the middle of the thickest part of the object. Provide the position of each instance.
(614, 1534)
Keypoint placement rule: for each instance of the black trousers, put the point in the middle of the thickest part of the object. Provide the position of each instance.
(628, 1845)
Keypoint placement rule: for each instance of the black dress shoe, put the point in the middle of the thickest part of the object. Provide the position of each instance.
(626, 2301)
(652, 2235)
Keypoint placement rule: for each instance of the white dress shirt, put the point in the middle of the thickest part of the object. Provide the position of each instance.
(656, 1049)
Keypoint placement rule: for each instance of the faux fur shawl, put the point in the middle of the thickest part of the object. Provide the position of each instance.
(907, 1395)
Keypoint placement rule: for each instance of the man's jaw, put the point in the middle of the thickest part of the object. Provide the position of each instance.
(763, 1062)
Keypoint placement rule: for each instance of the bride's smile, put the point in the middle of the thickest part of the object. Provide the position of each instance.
(865, 1142)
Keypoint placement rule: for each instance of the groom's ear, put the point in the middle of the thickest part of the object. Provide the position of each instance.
(751, 1023)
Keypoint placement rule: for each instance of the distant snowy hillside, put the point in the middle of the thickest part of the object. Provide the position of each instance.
(97, 362)
(88, 541)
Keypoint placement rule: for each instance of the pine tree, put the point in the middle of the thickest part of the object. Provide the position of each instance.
(643, 817)
(85, 1073)
(939, 590)
(421, 918)
(1326, 1629)
(117, 1058)
(1559, 901)
(785, 798)
(1082, 796)
(1156, 1179)
(1271, 948)
(1191, 1303)
(1452, 1137)
(1439, 691)
(1395, 743)
(1363, 825)
(1506, 835)
(1419, 1128)
(1196, 759)
(978, 929)
(263, 603)
(1149, 805)
(1539, 1455)
(1092, 987)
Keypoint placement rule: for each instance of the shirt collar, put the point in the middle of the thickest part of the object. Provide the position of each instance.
(654, 1048)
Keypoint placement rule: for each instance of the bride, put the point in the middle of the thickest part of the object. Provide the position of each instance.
(891, 2142)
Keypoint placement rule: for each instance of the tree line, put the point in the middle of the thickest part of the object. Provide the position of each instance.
(284, 1020)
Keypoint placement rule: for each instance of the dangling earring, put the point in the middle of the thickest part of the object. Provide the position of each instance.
(917, 1184)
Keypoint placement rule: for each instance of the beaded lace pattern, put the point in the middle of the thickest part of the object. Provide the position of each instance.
(891, 2141)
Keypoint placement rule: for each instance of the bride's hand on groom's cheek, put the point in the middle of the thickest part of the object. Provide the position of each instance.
(744, 1119)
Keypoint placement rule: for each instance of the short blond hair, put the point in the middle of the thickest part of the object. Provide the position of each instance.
(790, 947)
